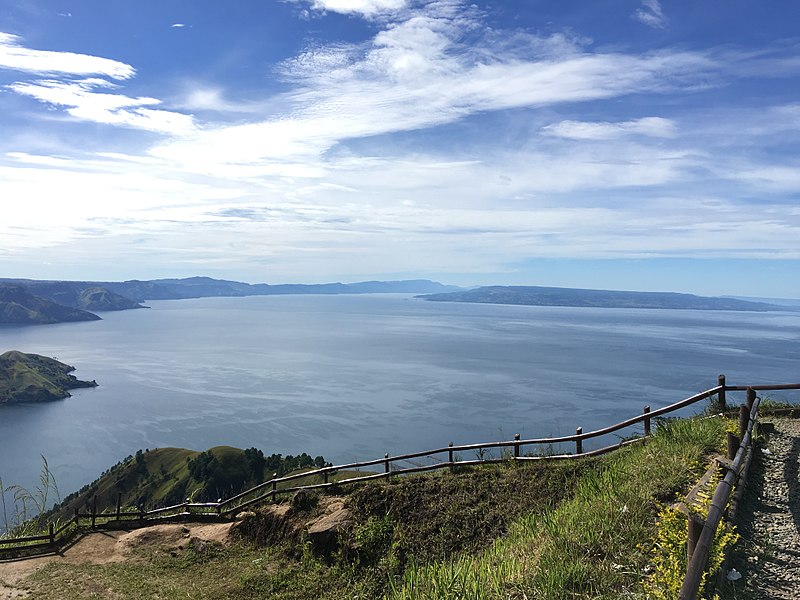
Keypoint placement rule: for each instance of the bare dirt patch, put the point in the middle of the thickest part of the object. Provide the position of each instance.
(103, 547)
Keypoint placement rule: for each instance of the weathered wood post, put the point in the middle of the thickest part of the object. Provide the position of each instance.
(695, 527)
(450, 455)
(141, 511)
(751, 398)
(516, 446)
(744, 417)
(52, 532)
(733, 445)
(579, 441)
(94, 510)
(386, 466)
(274, 485)
(646, 411)
(721, 394)
(326, 477)
(119, 504)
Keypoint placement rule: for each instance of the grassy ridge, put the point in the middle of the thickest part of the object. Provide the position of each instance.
(584, 530)
(35, 378)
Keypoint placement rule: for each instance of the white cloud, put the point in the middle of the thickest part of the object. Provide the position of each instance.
(82, 102)
(416, 73)
(583, 130)
(364, 8)
(16, 57)
(178, 25)
(651, 14)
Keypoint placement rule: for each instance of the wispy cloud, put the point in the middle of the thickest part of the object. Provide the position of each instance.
(582, 130)
(417, 73)
(78, 94)
(82, 101)
(651, 14)
(16, 57)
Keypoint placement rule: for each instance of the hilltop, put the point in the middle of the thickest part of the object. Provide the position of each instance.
(591, 528)
(35, 378)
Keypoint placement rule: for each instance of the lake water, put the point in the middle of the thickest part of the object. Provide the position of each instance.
(352, 377)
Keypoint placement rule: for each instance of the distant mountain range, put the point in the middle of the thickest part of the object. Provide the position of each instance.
(551, 296)
(28, 301)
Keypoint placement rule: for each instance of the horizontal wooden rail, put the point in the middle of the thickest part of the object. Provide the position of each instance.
(764, 388)
(697, 565)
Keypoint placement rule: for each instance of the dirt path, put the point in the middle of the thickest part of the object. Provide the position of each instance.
(104, 547)
(771, 534)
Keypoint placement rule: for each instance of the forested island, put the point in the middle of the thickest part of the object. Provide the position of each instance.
(34, 378)
(554, 296)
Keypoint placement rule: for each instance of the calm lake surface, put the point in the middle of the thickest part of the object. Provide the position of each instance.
(352, 377)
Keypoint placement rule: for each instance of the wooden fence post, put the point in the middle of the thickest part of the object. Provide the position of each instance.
(579, 441)
(751, 398)
(733, 445)
(274, 485)
(51, 531)
(386, 467)
(744, 417)
(721, 393)
(94, 510)
(646, 411)
(516, 446)
(119, 504)
(450, 455)
(695, 527)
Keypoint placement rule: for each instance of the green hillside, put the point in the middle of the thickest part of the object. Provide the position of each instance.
(20, 307)
(168, 476)
(35, 378)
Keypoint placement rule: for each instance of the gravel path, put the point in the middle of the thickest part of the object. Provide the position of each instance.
(772, 537)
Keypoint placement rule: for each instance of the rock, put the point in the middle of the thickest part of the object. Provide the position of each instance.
(303, 500)
(326, 531)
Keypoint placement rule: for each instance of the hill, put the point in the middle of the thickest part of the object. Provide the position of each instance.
(167, 476)
(35, 378)
(553, 296)
(84, 295)
(593, 528)
(19, 306)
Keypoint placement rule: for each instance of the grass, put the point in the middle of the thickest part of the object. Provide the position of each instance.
(583, 529)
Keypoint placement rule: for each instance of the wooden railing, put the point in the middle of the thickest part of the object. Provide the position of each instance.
(387, 467)
(740, 453)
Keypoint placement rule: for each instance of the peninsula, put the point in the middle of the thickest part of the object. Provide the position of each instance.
(34, 378)
(553, 296)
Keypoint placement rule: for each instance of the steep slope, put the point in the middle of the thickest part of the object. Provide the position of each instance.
(19, 306)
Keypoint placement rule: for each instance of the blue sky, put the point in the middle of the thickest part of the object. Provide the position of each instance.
(625, 144)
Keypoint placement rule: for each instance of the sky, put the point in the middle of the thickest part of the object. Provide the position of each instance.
(623, 144)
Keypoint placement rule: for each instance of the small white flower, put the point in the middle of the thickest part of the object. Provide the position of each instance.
(734, 575)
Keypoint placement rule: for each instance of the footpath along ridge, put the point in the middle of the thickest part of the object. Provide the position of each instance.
(771, 531)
